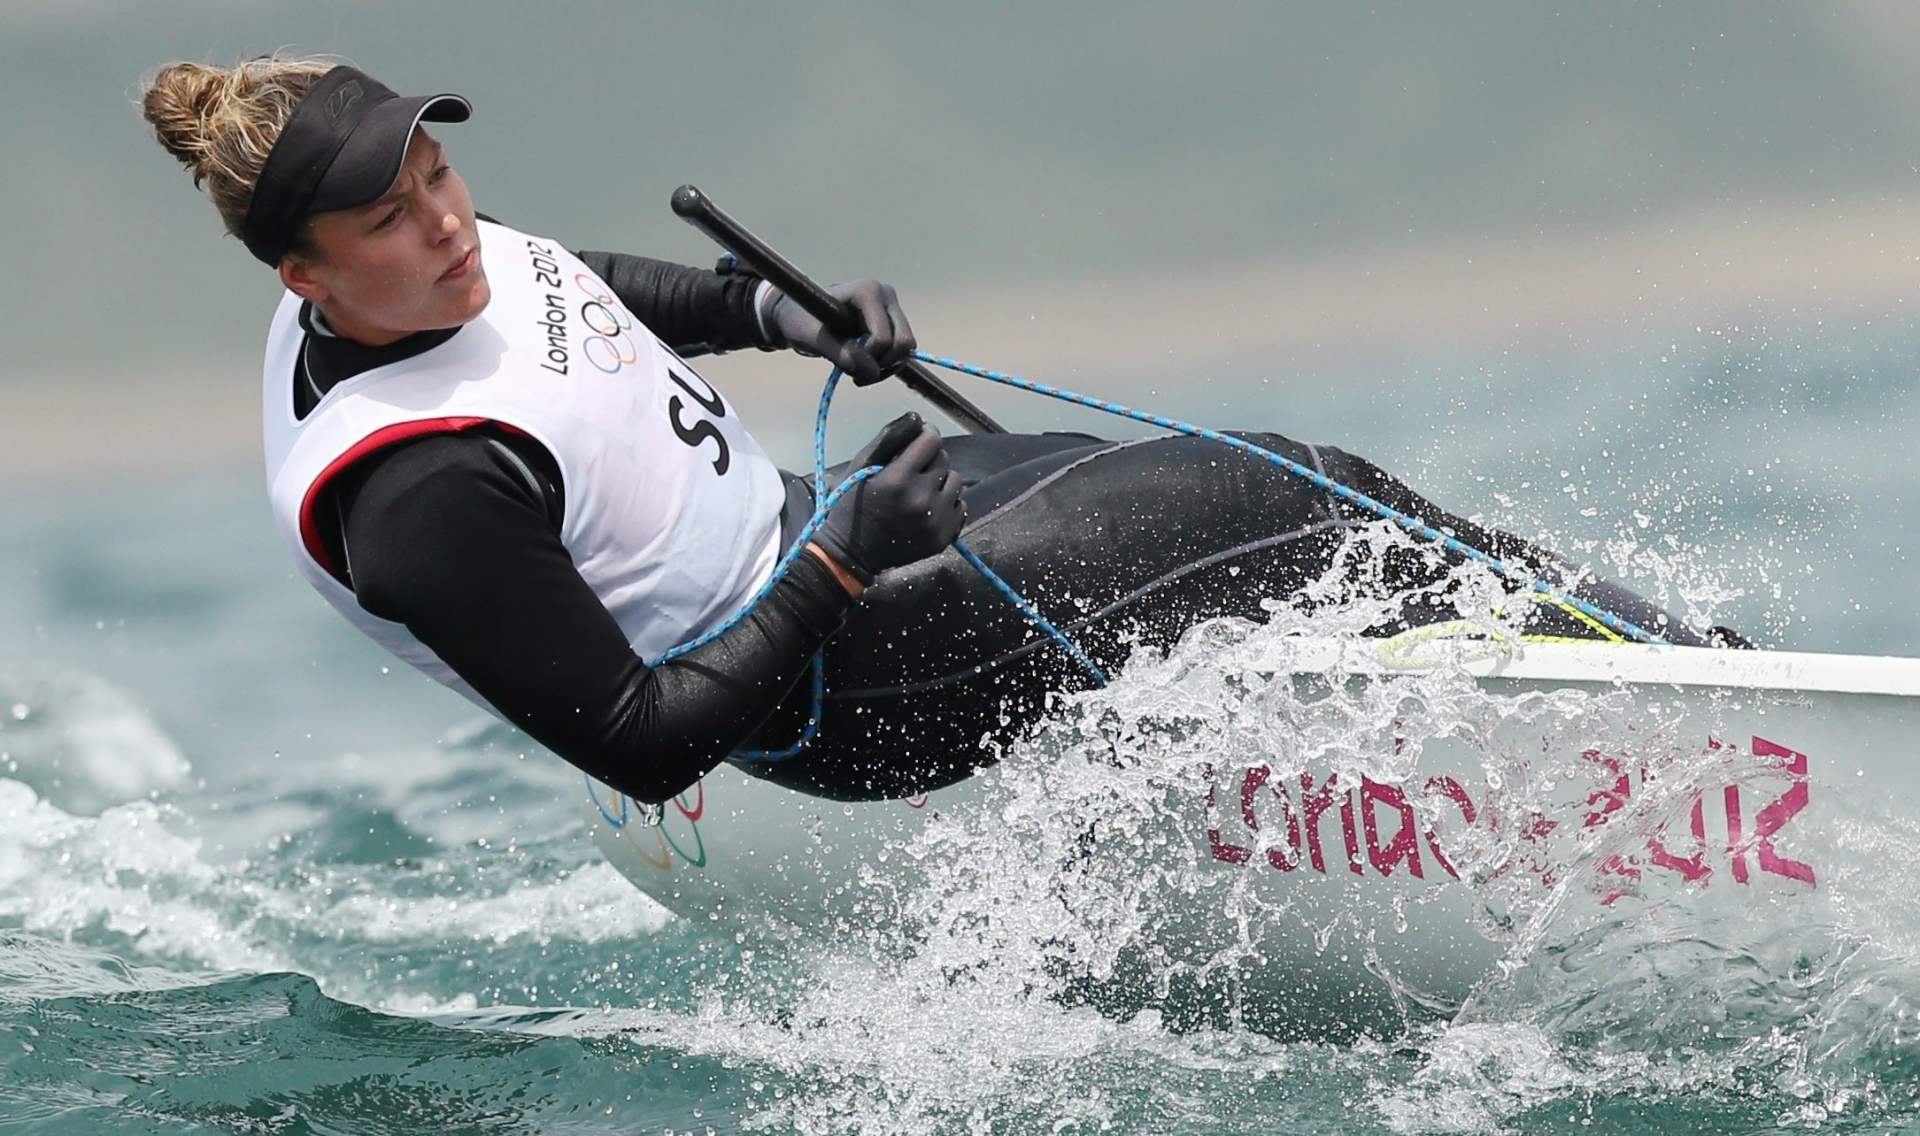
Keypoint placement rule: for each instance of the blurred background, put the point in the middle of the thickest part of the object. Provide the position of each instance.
(1630, 278)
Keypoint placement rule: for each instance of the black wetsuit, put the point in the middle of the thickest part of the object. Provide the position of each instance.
(457, 537)
(1117, 543)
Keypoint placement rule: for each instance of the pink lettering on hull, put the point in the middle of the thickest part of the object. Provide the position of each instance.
(1774, 816)
(1692, 868)
(1315, 804)
(1403, 846)
(1381, 828)
(1222, 851)
(1457, 793)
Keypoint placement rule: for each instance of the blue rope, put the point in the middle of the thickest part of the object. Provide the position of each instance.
(825, 500)
(1031, 612)
(1411, 524)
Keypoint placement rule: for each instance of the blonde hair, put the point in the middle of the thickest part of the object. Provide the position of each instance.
(222, 123)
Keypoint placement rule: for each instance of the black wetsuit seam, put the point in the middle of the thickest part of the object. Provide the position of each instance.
(1054, 476)
(1328, 507)
(1081, 624)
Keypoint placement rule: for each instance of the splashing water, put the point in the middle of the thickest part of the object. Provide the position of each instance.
(1069, 933)
(419, 936)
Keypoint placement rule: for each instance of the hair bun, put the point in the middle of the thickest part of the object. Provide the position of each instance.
(183, 103)
(222, 123)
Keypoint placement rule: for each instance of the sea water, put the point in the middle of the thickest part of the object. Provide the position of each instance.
(255, 877)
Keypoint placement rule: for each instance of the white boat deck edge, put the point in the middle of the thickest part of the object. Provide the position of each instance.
(1626, 664)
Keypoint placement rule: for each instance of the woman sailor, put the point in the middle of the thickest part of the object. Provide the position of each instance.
(490, 454)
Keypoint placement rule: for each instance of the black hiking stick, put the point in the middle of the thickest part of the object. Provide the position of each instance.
(838, 316)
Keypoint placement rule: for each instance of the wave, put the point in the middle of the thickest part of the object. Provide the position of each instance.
(381, 945)
(80, 742)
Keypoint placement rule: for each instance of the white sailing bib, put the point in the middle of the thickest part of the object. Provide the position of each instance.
(672, 509)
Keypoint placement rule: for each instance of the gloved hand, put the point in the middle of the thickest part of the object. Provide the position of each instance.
(889, 339)
(908, 511)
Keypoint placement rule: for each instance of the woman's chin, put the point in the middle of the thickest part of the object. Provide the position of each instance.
(470, 300)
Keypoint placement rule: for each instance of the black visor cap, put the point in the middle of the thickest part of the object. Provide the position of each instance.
(343, 147)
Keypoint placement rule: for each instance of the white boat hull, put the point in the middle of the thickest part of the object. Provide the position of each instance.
(1741, 780)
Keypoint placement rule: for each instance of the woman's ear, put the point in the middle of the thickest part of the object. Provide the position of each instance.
(296, 272)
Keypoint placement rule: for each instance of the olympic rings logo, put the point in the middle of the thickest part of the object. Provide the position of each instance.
(661, 849)
(610, 347)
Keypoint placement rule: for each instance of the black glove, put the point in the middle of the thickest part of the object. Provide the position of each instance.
(908, 511)
(889, 338)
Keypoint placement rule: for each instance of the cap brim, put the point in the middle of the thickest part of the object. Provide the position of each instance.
(370, 161)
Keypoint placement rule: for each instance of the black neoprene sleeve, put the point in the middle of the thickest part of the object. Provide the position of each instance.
(692, 310)
(447, 538)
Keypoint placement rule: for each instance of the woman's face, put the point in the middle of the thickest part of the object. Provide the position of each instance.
(408, 262)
